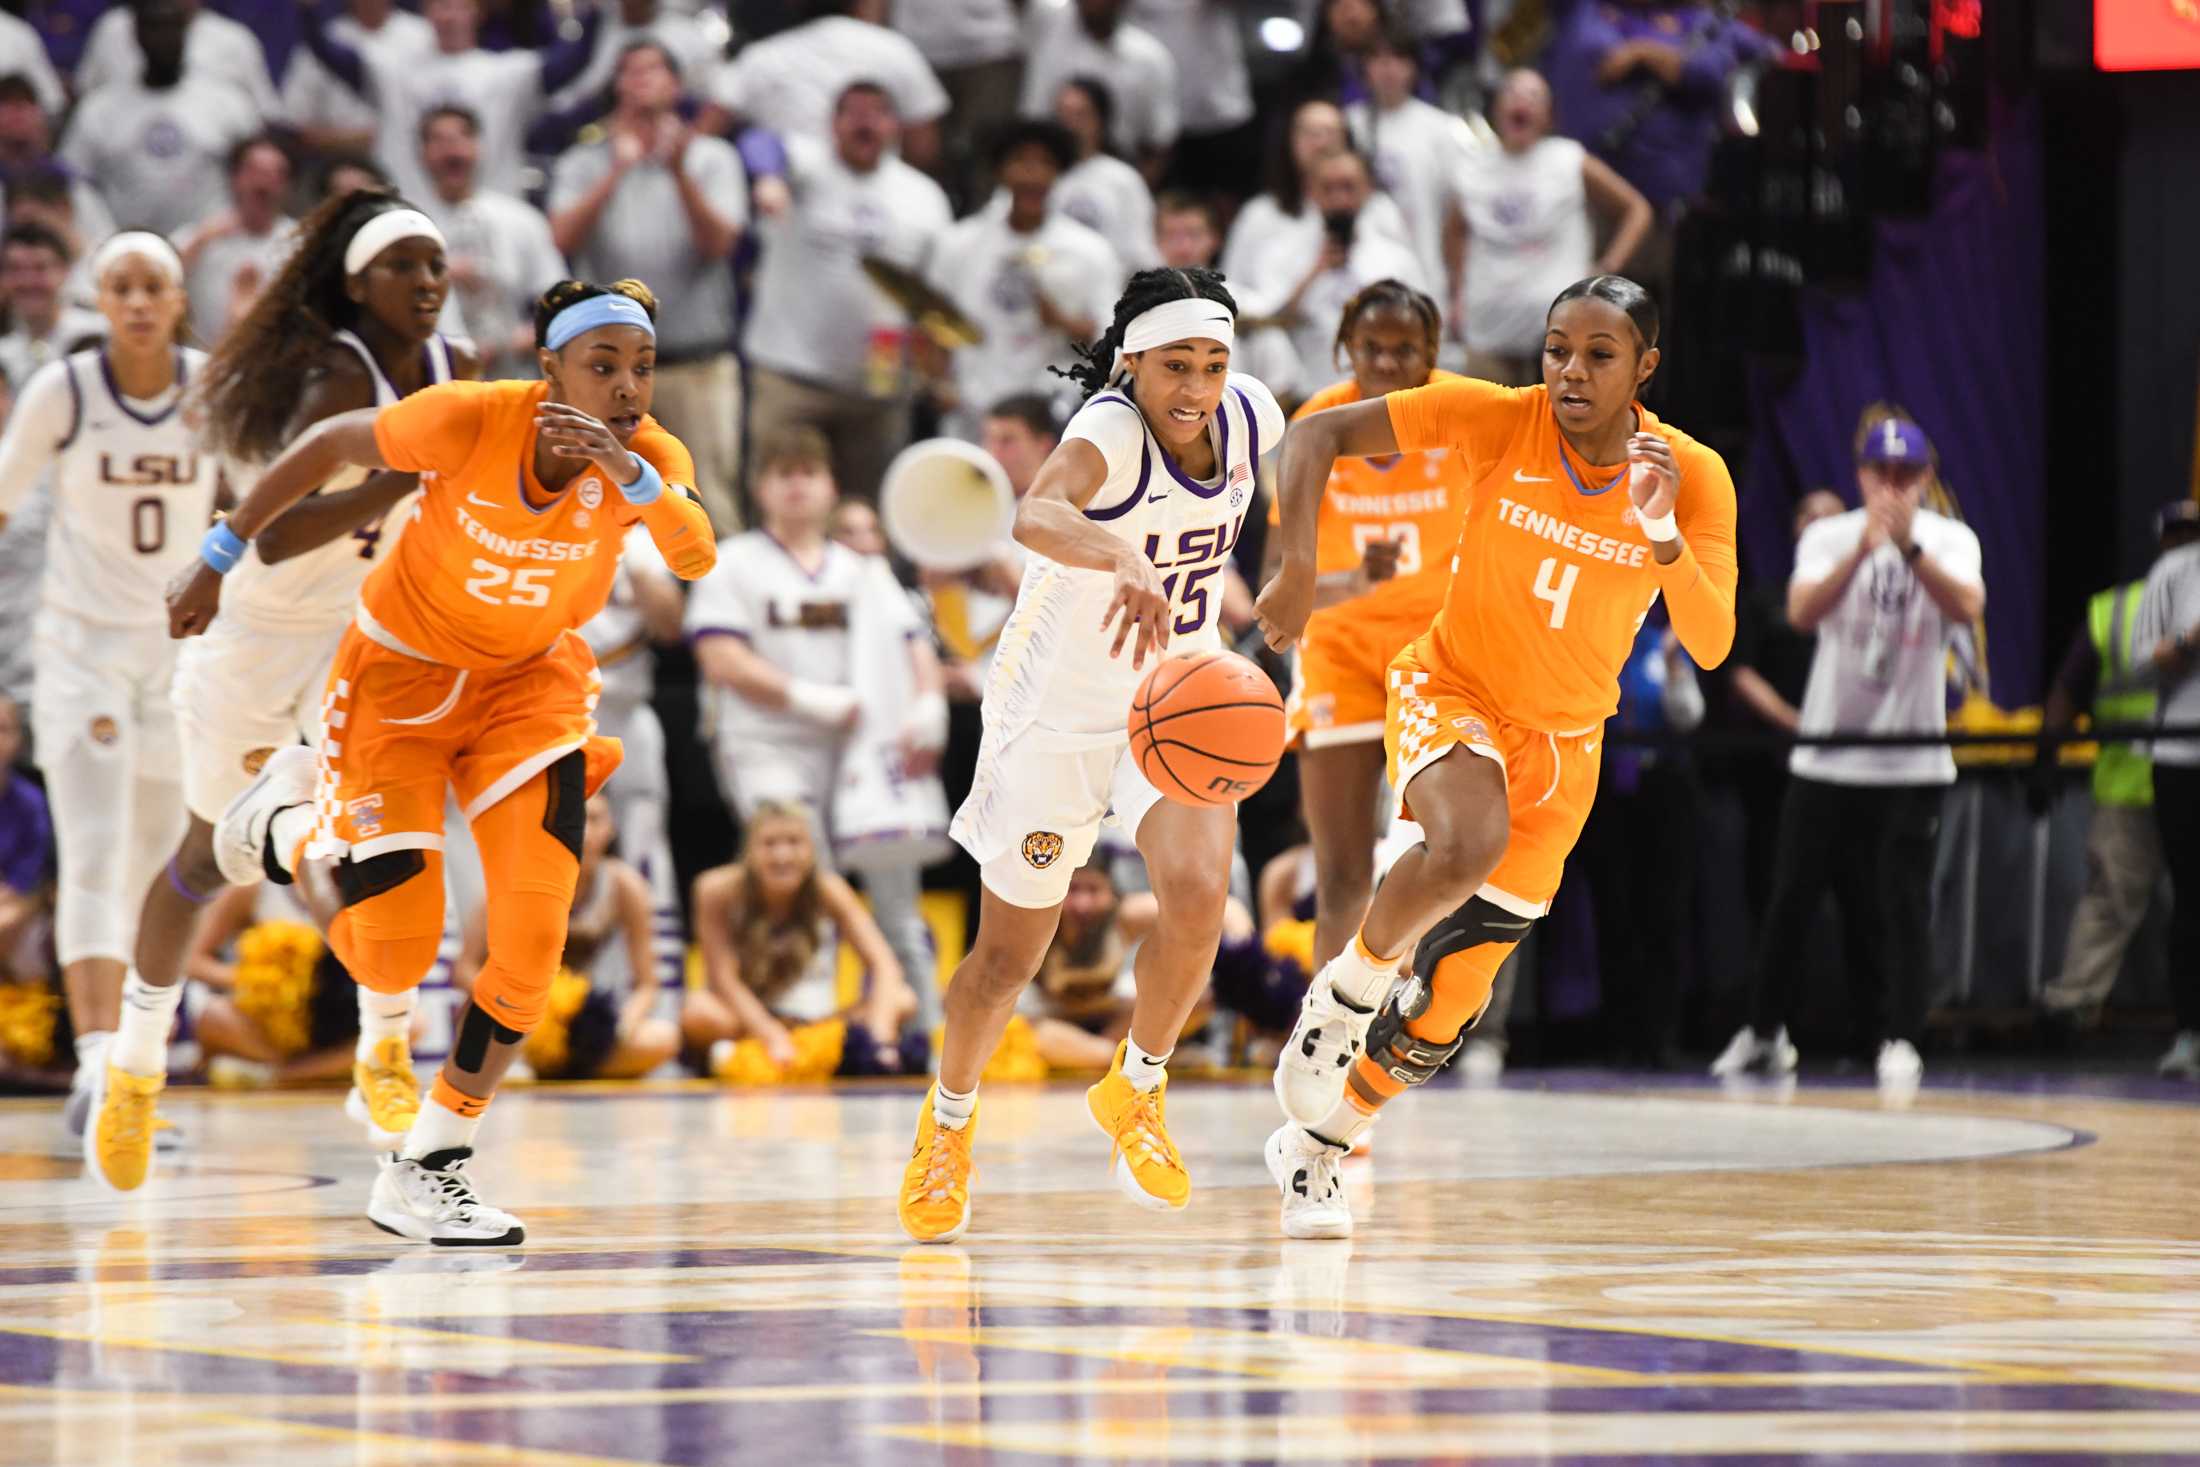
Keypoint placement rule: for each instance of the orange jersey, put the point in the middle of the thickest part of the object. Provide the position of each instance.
(482, 577)
(1552, 576)
(1413, 499)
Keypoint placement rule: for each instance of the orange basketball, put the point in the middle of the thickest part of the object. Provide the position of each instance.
(1207, 729)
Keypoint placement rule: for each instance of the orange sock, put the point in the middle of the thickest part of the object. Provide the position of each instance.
(457, 1101)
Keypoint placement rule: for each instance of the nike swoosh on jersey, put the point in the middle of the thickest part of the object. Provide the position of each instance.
(1520, 478)
(473, 498)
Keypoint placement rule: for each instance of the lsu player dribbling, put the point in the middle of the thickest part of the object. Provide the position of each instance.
(1130, 524)
(1382, 557)
(1584, 509)
(462, 673)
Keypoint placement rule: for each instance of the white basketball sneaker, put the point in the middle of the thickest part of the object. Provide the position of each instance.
(240, 837)
(2183, 1059)
(1311, 1173)
(1330, 1033)
(432, 1200)
(1899, 1063)
(1746, 1052)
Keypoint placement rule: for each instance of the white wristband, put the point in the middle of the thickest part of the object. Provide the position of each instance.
(821, 703)
(926, 724)
(1660, 529)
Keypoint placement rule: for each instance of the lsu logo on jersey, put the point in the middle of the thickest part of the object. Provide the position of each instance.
(104, 730)
(1042, 848)
(256, 759)
(148, 470)
(366, 817)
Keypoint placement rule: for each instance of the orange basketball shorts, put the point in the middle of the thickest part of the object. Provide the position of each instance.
(1339, 694)
(1550, 779)
(399, 732)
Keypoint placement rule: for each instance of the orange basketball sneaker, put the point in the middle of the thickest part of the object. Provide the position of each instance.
(935, 1186)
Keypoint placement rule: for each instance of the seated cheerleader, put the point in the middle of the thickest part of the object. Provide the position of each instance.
(600, 1023)
(268, 1002)
(770, 927)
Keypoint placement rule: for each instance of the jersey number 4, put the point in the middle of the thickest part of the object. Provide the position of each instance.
(1554, 588)
(499, 585)
(1406, 535)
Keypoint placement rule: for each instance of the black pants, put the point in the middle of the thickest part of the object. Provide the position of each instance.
(1872, 845)
(2177, 812)
(1639, 852)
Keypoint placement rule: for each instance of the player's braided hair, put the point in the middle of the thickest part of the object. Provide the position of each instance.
(1393, 295)
(567, 292)
(1147, 289)
(249, 389)
(773, 952)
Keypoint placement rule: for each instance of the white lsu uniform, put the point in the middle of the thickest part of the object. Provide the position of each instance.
(1055, 761)
(254, 682)
(132, 496)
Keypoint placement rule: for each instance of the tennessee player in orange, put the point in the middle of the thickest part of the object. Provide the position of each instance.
(1382, 554)
(1584, 509)
(462, 672)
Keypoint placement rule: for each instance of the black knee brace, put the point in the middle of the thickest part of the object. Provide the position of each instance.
(475, 1030)
(1479, 921)
(1407, 1058)
(565, 812)
(358, 880)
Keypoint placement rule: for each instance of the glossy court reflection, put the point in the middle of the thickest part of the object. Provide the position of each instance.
(1541, 1274)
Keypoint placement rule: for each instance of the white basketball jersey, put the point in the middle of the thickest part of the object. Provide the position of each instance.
(619, 634)
(317, 590)
(1053, 669)
(132, 497)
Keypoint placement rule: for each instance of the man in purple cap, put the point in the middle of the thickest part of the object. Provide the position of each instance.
(1887, 587)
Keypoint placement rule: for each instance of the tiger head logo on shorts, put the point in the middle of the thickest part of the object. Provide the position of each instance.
(256, 759)
(104, 730)
(1042, 848)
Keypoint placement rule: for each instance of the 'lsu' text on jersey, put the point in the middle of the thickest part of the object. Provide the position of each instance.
(1053, 668)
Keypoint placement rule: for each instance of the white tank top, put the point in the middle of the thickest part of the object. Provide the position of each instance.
(1053, 670)
(132, 497)
(316, 591)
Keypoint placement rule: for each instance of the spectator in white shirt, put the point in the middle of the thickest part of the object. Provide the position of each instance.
(976, 49)
(688, 41)
(23, 53)
(500, 249)
(790, 82)
(1218, 133)
(1090, 38)
(154, 144)
(825, 349)
(1282, 212)
(1417, 149)
(1529, 234)
(215, 48)
(658, 201)
(1102, 192)
(34, 263)
(26, 153)
(231, 253)
(1186, 231)
(1033, 279)
(329, 116)
(49, 197)
(1302, 281)
(507, 90)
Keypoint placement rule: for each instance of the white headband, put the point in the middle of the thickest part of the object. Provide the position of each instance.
(138, 242)
(1196, 318)
(384, 230)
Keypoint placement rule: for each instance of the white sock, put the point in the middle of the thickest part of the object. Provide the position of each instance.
(384, 1016)
(438, 1128)
(91, 1053)
(290, 826)
(1143, 1070)
(1343, 1125)
(1358, 977)
(951, 1110)
(148, 1014)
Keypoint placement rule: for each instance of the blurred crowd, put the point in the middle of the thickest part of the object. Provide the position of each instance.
(876, 222)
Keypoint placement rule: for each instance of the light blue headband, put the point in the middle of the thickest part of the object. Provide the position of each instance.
(597, 310)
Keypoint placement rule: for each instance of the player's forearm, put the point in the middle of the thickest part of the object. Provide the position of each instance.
(329, 445)
(1702, 608)
(1060, 531)
(1309, 452)
(681, 530)
(732, 664)
(321, 518)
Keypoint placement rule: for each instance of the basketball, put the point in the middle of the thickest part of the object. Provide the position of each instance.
(1207, 729)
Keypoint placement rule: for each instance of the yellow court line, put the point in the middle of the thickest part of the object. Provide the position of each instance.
(434, 1449)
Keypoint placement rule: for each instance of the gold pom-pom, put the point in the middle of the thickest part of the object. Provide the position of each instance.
(549, 1048)
(275, 963)
(817, 1051)
(27, 1015)
(1291, 939)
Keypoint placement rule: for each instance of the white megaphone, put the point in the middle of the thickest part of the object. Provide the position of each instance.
(946, 504)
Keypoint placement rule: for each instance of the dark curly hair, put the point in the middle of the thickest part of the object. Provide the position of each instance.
(1393, 295)
(248, 391)
(1147, 289)
(569, 292)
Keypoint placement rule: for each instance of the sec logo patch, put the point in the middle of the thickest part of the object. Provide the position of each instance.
(1042, 848)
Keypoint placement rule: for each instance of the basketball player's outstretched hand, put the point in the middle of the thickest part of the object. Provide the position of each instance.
(572, 433)
(1284, 605)
(194, 597)
(1655, 493)
(1143, 603)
